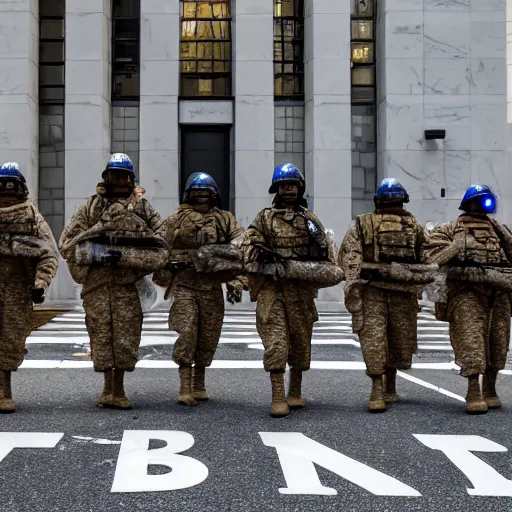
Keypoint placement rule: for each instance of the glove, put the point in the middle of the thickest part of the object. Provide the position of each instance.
(38, 295)
(234, 291)
(112, 258)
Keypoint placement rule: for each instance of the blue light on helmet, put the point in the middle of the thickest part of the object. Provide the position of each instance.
(489, 204)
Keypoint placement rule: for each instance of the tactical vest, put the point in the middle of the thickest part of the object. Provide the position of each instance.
(18, 220)
(194, 229)
(288, 235)
(483, 245)
(119, 219)
(389, 238)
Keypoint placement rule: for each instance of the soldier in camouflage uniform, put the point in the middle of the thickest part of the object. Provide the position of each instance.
(384, 308)
(197, 312)
(110, 244)
(28, 259)
(477, 251)
(280, 240)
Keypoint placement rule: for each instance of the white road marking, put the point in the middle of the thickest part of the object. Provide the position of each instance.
(236, 364)
(428, 385)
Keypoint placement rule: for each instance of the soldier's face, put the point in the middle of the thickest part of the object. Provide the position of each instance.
(200, 200)
(119, 184)
(288, 192)
(8, 192)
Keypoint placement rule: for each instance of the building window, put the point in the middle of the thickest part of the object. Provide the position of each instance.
(205, 48)
(52, 32)
(363, 51)
(126, 50)
(289, 49)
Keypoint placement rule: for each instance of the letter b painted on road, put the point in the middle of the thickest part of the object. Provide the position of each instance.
(135, 457)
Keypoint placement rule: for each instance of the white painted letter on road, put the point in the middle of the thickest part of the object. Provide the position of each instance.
(298, 454)
(135, 457)
(485, 479)
(11, 440)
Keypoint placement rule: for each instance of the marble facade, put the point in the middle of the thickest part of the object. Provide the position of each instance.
(19, 95)
(441, 64)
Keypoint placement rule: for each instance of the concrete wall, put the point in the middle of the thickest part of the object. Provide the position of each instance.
(51, 166)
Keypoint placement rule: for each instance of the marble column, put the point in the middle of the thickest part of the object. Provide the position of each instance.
(327, 147)
(19, 83)
(87, 111)
(88, 91)
(253, 84)
(159, 89)
(328, 162)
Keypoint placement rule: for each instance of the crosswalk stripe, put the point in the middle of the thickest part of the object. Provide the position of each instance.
(239, 328)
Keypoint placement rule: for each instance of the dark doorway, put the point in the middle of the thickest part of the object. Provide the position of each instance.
(206, 149)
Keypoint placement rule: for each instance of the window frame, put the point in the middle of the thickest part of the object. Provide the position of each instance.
(298, 21)
(60, 88)
(116, 97)
(197, 76)
(354, 65)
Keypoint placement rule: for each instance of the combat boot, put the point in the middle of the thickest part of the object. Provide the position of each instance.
(199, 390)
(106, 396)
(490, 395)
(279, 406)
(6, 401)
(119, 400)
(390, 394)
(294, 399)
(185, 396)
(475, 403)
(377, 403)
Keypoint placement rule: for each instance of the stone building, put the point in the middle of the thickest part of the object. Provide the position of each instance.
(350, 90)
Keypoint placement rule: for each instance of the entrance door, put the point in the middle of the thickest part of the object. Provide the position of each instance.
(206, 149)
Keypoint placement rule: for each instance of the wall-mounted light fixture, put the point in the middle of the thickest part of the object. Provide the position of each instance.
(435, 134)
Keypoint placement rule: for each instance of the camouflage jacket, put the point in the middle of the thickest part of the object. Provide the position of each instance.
(397, 234)
(27, 247)
(132, 217)
(185, 231)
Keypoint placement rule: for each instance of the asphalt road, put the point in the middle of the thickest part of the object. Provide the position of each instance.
(237, 461)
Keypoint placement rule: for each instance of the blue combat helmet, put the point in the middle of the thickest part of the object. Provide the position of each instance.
(201, 181)
(482, 194)
(120, 162)
(391, 191)
(287, 172)
(11, 170)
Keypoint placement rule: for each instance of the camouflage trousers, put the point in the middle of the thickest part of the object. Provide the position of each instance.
(113, 316)
(197, 316)
(389, 332)
(15, 323)
(285, 332)
(479, 330)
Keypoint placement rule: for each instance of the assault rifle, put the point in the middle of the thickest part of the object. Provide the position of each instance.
(412, 273)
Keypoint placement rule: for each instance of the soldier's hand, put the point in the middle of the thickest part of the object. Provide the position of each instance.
(234, 291)
(38, 295)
